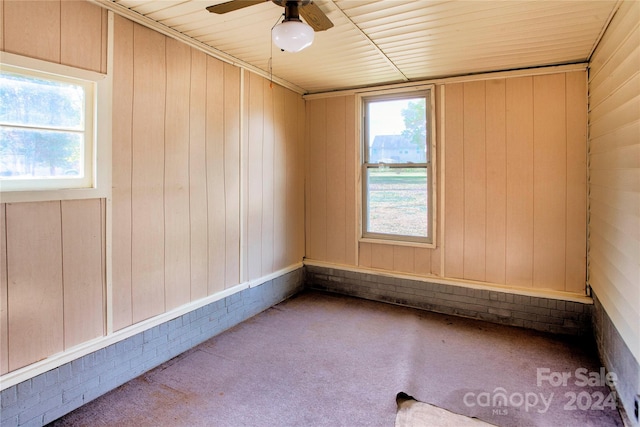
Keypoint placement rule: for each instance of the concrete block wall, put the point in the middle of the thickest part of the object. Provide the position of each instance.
(542, 314)
(48, 396)
(617, 357)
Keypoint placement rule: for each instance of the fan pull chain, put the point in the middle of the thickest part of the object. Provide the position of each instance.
(271, 54)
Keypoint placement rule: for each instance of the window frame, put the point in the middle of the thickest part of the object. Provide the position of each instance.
(98, 142)
(428, 92)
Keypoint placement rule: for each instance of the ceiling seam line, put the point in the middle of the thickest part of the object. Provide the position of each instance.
(596, 43)
(375, 46)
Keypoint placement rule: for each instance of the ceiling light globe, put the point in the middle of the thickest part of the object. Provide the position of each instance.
(292, 36)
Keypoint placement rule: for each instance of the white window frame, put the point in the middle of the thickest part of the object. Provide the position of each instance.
(97, 135)
(398, 93)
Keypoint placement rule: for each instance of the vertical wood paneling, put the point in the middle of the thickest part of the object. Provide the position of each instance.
(336, 180)
(104, 41)
(4, 312)
(215, 175)
(576, 203)
(454, 182)
(301, 148)
(283, 136)
(364, 254)
(435, 263)
(232, 174)
(32, 28)
(491, 134)
(68, 32)
(295, 182)
(403, 259)
(475, 181)
(244, 161)
(82, 266)
(255, 165)
(177, 232)
(198, 176)
(268, 193)
(81, 35)
(519, 242)
(351, 170)
(2, 23)
(283, 121)
(307, 180)
(496, 181)
(317, 181)
(422, 259)
(382, 257)
(176, 194)
(121, 148)
(149, 77)
(549, 184)
(35, 295)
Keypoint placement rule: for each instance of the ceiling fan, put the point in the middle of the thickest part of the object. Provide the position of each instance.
(291, 34)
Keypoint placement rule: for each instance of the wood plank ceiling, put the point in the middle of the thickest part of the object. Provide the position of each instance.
(377, 42)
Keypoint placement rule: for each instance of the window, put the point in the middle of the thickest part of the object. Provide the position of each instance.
(397, 172)
(49, 130)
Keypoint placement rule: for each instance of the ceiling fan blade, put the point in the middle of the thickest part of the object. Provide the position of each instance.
(232, 5)
(315, 17)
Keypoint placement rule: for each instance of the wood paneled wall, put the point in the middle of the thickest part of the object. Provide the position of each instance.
(64, 32)
(614, 166)
(52, 273)
(186, 223)
(207, 190)
(515, 181)
(331, 196)
(513, 170)
(331, 172)
(52, 264)
(274, 197)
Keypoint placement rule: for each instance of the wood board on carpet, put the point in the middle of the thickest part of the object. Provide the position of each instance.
(413, 413)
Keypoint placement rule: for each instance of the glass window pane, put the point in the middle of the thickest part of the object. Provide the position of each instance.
(396, 131)
(397, 201)
(35, 102)
(29, 153)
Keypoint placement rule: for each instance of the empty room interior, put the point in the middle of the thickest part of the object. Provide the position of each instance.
(339, 212)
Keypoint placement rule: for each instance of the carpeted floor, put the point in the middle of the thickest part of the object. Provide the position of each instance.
(327, 360)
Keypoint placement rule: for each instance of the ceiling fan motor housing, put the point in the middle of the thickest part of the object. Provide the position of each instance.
(311, 13)
(283, 3)
(291, 12)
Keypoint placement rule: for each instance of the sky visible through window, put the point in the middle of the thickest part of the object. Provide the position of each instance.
(386, 118)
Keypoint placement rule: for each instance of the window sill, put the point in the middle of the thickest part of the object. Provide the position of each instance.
(49, 195)
(397, 242)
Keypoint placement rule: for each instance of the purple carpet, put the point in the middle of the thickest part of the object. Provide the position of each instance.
(327, 360)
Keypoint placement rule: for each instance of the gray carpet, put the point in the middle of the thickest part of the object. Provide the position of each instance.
(326, 360)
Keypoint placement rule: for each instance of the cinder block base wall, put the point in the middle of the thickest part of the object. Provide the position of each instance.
(542, 314)
(46, 397)
(616, 357)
